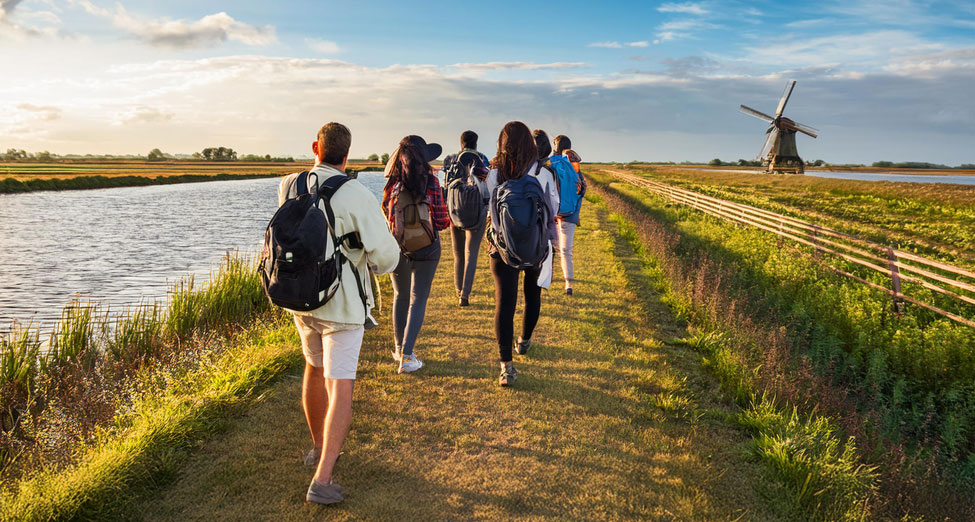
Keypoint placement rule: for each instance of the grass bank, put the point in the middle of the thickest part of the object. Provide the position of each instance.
(61, 389)
(776, 327)
(14, 186)
(608, 420)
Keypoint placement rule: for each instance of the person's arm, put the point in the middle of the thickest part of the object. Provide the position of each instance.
(381, 249)
(438, 209)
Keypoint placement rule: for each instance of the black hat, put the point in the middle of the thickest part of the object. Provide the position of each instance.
(431, 151)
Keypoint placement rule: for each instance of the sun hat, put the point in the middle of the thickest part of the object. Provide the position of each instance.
(431, 151)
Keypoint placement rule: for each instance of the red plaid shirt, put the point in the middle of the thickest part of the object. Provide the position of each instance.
(438, 209)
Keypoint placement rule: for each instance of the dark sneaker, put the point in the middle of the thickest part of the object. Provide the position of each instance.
(508, 374)
(568, 291)
(319, 493)
(313, 456)
(523, 346)
(464, 301)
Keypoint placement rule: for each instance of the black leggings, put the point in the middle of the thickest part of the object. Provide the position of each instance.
(506, 299)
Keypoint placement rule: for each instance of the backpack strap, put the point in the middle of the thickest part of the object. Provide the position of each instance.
(301, 184)
(352, 240)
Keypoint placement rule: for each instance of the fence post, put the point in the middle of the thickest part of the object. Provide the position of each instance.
(895, 279)
(816, 253)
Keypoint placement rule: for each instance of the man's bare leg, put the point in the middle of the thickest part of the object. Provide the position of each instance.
(314, 400)
(337, 422)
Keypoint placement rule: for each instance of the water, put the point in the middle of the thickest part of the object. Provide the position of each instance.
(124, 246)
(887, 176)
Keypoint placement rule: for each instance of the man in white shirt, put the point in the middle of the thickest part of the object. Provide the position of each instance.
(331, 335)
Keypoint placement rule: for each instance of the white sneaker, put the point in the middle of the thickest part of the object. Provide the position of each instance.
(410, 363)
(398, 354)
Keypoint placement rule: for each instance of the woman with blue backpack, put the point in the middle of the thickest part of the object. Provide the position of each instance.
(415, 212)
(524, 202)
(572, 188)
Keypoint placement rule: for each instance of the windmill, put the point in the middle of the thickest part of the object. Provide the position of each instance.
(779, 155)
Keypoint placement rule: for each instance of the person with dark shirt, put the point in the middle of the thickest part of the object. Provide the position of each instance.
(466, 243)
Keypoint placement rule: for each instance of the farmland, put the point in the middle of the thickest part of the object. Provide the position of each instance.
(776, 321)
(25, 177)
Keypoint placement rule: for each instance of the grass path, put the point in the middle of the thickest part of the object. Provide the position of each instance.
(607, 420)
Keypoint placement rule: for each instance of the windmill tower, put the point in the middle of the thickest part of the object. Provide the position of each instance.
(779, 155)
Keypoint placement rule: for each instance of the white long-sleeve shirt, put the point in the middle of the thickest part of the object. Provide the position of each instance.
(356, 210)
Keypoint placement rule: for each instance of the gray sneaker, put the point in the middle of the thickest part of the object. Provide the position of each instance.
(523, 346)
(508, 374)
(313, 456)
(319, 493)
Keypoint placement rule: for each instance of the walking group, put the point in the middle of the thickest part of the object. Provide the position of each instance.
(329, 236)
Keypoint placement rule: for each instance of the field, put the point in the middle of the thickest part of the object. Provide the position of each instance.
(702, 371)
(25, 177)
(783, 324)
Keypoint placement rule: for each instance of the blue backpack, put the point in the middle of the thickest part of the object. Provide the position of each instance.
(566, 177)
(519, 222)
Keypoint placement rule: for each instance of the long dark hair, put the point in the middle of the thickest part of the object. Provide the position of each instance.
(516, 151)
(562, 143)
(541, 142)
(410, 168)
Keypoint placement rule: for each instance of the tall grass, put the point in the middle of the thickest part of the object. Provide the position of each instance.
(904, 386)
(36, 373)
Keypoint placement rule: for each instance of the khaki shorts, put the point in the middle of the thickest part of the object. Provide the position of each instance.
(331, 346)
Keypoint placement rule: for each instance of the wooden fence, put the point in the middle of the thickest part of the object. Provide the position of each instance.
(951, 281)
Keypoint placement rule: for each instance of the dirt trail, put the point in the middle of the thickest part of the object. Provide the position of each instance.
(606, 421)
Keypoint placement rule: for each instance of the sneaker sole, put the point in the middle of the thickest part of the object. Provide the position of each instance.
(404, 370)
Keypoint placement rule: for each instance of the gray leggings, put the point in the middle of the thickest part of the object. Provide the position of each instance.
(467, 244)
(412, 280)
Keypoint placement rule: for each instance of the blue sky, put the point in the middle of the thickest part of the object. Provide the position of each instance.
(626, 80)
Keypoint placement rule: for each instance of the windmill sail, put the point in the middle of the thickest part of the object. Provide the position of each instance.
(785, 98)
(773, 135)
(758, 114)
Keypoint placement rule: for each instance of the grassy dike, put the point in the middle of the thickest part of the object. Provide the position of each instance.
(620, 412)
(608, 420)
(14, 186)
(828, 411)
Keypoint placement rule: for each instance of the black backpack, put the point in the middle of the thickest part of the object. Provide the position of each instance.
(465, 198)
(301, 264)
(519, 222)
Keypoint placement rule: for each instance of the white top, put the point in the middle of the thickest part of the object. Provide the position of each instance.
(356, 210)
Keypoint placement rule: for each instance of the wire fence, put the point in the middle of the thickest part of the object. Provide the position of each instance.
(955, 283)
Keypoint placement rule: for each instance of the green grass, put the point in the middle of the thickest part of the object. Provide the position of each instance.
(931, 219)
(606, 421)
(810, 338)
(91, 357)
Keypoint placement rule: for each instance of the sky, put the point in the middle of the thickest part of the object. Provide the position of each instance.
(627, 80)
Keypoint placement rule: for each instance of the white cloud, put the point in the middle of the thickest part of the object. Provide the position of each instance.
(521, 66)
(607, 45)
(322, 46)
(686, 8)
(618, 45)
(41, 112)
(181, 34)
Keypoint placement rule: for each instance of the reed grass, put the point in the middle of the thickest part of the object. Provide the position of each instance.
(35, 373)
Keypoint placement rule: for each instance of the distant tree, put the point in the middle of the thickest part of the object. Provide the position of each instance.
(818, 163)
(385, 158)
(883, 164)
(967, 166)
(197, 156)
(44, 156)
(716, 162)
(15, 155)
(267, 157)
(155, 155)
(373, 157)
(219, 154)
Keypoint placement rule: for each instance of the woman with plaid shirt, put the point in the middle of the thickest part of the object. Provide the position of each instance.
(410, 171)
